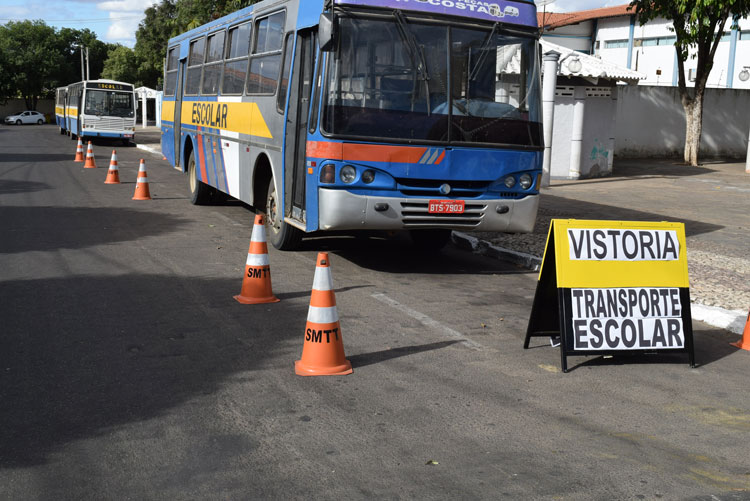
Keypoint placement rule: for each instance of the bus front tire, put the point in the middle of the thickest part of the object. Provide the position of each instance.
(200, 193)
(282, 235)
(430, 240)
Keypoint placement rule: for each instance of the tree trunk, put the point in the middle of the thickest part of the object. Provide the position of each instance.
(693, 128)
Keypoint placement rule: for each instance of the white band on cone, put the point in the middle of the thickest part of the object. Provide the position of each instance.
(320, 315)
(257, 260)
(142, 179)
(323, 280)
(259, 233)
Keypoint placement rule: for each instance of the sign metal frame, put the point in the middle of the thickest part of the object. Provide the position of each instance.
(552, 309)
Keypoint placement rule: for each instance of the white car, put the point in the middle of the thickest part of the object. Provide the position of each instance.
(27, 117)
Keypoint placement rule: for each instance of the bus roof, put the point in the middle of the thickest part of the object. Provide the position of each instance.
(519, 12)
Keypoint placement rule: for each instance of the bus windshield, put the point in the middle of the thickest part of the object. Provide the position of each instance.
(108, 103)
(407, 80)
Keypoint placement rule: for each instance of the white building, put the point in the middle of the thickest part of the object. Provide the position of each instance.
(615, 35)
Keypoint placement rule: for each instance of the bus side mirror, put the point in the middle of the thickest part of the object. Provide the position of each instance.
(326, 37)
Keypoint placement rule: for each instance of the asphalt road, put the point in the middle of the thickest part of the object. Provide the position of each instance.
(127, 371)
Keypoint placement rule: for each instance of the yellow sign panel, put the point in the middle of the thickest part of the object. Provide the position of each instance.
(244, 118)
(59, 110)
(619, 253)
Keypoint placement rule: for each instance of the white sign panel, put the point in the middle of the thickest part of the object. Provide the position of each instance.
(627, 319)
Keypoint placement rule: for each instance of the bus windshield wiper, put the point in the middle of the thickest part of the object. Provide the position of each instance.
(483, 53)
(411, 44)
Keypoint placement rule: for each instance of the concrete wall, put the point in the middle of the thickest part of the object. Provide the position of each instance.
(598, 128)
(651, 123)
(46, 106)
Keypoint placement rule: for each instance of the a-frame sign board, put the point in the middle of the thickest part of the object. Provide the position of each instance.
(610, 287)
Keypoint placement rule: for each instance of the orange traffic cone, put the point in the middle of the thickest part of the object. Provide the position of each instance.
(323, 351)
(256, 285)
(744, 343)
(79, 152)
(113, 174)
(90, 163)
(141, 185)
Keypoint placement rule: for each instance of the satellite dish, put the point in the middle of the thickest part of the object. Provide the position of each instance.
(539, 3)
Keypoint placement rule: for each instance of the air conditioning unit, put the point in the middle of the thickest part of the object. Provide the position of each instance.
(691, 74)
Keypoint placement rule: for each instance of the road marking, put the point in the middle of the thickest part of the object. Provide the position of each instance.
(427, 321)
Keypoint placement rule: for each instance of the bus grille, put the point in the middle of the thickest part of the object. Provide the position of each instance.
(115, 124)
(415, 215)
(431, 187)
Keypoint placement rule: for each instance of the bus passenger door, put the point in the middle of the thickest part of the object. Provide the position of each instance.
(178, 114)
(296, 126)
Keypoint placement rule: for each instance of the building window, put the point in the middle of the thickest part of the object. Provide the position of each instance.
(660, 41)
(745, 35)
(616, 44)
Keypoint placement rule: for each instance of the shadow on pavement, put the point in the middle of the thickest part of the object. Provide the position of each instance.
(143, 345)
(37, 157)
(375, 357)
(12, 186)
(53, 228)
(398, 255)
(568, 208)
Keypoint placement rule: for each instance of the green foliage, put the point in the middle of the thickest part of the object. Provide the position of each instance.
(121, 65)
(31, 60)
(167, 19)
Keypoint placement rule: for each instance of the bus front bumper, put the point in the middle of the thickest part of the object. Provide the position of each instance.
(342, 210)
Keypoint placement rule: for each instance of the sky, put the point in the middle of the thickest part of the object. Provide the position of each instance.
(115, 21)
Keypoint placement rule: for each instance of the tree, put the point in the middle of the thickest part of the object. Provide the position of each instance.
(121, 65)
(30, 59)
(70, 41)
(698, 25)
(169, 18)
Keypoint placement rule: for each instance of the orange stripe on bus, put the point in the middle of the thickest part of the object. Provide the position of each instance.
(325, 149)
(440, 158)
(364, 152)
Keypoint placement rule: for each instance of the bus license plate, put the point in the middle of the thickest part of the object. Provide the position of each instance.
(446, 207)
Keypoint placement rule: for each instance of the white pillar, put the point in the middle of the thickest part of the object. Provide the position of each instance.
(576, 138)
(613, 126)
(548, 109)
(143, 109)
(158, 109)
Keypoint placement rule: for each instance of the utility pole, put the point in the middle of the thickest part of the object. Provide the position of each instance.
(88, 75)
(83, 75)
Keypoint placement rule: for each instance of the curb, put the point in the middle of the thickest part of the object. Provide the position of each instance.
(149, 148)
(715, 316)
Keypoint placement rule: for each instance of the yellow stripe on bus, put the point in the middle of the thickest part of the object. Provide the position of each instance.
(59, 110)
(244, 118)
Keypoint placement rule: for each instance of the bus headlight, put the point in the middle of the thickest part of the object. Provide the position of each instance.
(510, 182)
(348, 174)
(525, 181)
(368, 176)
(328, 174)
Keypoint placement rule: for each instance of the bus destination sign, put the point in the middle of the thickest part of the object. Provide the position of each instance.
(108, 86)
(523, 13)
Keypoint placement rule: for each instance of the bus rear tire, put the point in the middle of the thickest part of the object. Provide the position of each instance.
(282, 235)
(430, 240)
(200, 193)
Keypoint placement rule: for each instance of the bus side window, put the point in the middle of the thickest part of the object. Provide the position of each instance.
(235, 64)
(284, 79)
(170, 80)
(266, 60)
(195, 65)
(212, 68)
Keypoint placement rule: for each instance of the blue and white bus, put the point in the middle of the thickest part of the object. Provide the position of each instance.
(96, 108)
(421, 115)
